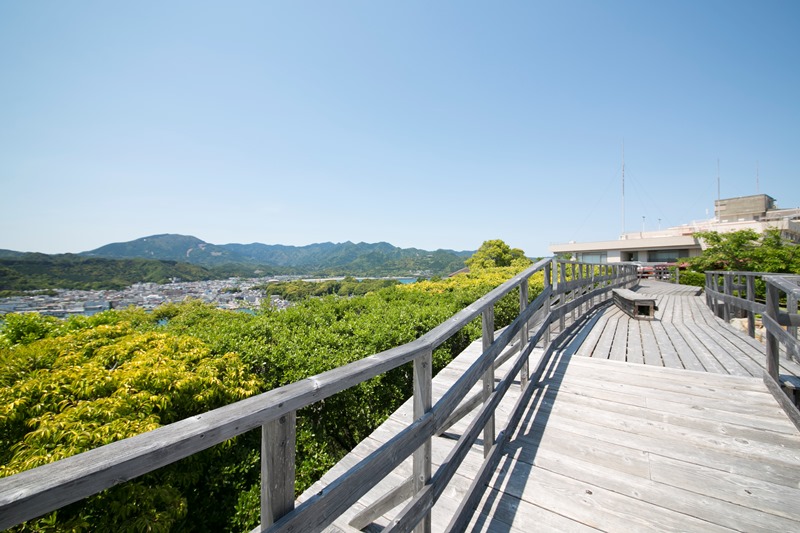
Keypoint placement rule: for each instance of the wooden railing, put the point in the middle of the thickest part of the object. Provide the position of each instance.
(570, 290)
(731, 294)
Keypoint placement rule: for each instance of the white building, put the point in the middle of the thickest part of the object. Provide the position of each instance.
(757, 212)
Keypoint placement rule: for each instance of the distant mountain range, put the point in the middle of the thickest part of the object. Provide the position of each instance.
(160, 257)
(344, 258)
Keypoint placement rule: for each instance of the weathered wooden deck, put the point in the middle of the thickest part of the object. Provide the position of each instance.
(685, 335)
(662, 425)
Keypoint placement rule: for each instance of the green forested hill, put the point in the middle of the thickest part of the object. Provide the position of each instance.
(39, 271)
(357, 259)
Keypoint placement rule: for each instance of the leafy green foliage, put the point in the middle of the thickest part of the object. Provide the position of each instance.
(746, 250)
(68, 387)
(690, 277)
(349, 286)
(496, 253)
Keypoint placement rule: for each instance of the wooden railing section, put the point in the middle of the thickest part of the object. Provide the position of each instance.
(730, 294)
(570, 289)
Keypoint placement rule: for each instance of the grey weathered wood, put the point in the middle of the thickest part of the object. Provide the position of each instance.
(487, 325)
(737, 302)
(728, 288)
(751, 296)
(387, 502)
(523, 334)
(548, 285)
(423, 401)
(650, 349)
(563, 287)
(791, 329)
(447, 404)
(425, 499)
(786, 404)
(769, 319)
(277, 467)
(634, 304)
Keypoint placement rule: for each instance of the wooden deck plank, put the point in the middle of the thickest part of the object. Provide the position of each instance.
(619, 346)
(748, 356)
(667, 307)
(635, 349)
(732, 411)
(752, 494)
(501, 512)
(684, 350)
(725, 425)
(594, 506)
(590, 343)
(603, 347)
(616, 474)
(652, 353)
(659, 373)
(695, 344)
(728, 353)
(726, 455)
(669, 355)
(787, 366)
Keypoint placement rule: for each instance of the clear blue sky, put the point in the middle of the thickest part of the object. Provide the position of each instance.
(423, 124)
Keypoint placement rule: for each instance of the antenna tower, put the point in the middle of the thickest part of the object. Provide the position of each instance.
(623, 187)
(719, 196)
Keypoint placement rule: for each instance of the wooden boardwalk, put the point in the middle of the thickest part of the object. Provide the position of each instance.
(685, 335)
(662, 425)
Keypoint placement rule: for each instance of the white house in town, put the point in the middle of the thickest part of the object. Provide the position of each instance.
(757, 212)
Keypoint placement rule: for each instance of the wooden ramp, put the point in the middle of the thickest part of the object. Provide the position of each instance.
(672, 436)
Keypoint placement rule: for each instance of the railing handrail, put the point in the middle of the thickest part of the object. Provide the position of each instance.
(780, 326)
(35, 492)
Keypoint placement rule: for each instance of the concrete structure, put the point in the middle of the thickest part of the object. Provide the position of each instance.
(757, 212)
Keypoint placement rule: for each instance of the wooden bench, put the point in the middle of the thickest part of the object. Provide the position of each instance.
(634, 304)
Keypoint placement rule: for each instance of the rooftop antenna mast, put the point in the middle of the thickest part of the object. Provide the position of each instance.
(623, 187)
(719, 196)
(757, 191)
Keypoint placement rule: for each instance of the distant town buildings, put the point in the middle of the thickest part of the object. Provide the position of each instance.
(233, 293)
(757, 212)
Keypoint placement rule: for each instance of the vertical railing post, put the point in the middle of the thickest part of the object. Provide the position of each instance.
(547, 283)
(562, 316)
(523, 333)
(791, 308)
(277, 468)
(751, 297)
(575, 291)
(773, 303)
(423, 400)
(487, 325)
(726, 307)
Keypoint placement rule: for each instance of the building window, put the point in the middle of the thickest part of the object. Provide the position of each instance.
(594, 257)
(667, 256)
